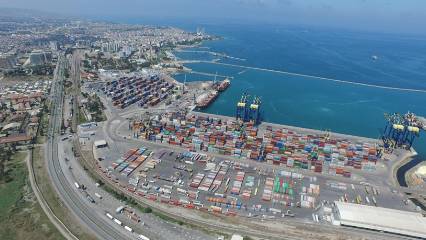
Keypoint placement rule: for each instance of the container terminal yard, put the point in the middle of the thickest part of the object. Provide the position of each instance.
(240, 167)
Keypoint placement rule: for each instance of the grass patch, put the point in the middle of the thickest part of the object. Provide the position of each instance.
(42, 129)
(21, 217)
(95, 107)
(168, 219)
(10, 192)
(81, 117)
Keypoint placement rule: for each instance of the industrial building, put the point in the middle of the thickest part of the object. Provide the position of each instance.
(101, 144)
(39, 58)
(387, 220)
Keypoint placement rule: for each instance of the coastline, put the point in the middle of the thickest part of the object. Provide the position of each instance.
(394, 169)
(398, 165)
(410, 178)
(405, 158)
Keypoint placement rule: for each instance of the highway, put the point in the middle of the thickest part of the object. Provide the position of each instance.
(75, 201)
(65, 170)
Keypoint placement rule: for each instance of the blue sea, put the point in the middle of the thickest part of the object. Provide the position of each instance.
(331, 53)
(314, 103)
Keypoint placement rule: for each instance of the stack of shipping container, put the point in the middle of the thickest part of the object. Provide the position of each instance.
(276, 146)
(131, 160)
(149, 90)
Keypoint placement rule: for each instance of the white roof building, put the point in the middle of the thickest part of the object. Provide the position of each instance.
(237, 237)
(382, 219)
(100, 143)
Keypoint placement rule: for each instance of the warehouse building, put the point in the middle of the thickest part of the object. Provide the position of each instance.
(387, 220)
(101, 144)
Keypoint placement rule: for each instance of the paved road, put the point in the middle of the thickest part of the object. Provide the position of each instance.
(65, 171)
(154, 227)
(44, 205)
(75, 201)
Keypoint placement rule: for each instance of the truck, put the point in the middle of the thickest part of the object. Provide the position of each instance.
(90, 198)
(128, 228)
(98, 195)
(142, 237)
(109, 216)
(76, 185)
(118, 221)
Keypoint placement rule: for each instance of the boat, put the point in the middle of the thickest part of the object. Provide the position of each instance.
(223, 85)
(206, 101)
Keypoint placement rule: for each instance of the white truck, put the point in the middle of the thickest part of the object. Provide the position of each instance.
(109, 216)
(118, 221)
(142, 237)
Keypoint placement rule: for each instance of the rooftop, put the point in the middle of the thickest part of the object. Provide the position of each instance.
(382, 219)
(14, 139)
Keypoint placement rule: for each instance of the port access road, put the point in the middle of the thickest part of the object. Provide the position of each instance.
(75, 201)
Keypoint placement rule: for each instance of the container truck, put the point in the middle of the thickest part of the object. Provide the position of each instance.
(90, 198)
(128, 228)
(109, 216)
(118, 221)
(142, 237)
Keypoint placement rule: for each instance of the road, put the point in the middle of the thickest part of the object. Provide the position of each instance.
(44, 205)
(153, 227)
(65, 170)
(74, 201)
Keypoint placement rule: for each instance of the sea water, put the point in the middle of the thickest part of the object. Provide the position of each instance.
(310, 102)
(389, 60)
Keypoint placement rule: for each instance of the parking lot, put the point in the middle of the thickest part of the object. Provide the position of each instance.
(218, 186)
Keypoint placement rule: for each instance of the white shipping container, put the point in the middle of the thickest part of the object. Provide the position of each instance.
(274, 210)
(117, 221)
(142, 237)
(181, 191)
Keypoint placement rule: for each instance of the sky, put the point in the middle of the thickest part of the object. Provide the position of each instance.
(372, 15)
